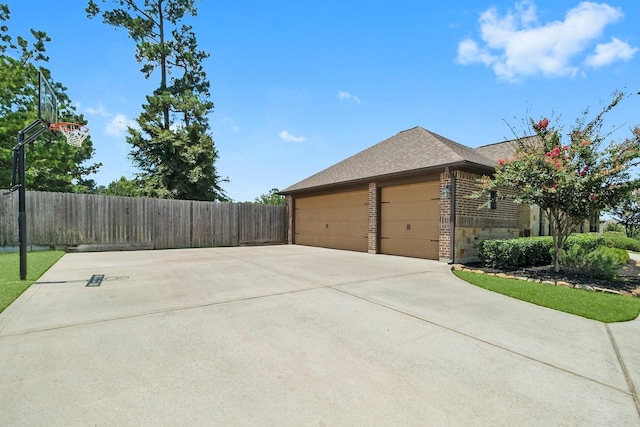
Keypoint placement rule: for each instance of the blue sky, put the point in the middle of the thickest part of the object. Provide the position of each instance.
(301, 85)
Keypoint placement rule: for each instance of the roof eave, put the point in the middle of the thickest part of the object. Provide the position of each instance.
(460, 164)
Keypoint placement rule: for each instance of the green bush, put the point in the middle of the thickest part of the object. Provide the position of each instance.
(593, 254)
(620, 240)
(588, 241)
(614, 227)
(513, 253)
(601, 263)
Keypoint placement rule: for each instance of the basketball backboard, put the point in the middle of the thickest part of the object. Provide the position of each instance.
(47, 102)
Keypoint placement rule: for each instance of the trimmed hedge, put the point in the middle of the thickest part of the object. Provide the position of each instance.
(513, 253)
(620, 240)
(591, 253)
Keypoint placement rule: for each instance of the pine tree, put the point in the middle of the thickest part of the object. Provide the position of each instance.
(172, 145)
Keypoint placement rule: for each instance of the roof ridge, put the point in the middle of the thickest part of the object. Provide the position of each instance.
(409, 150)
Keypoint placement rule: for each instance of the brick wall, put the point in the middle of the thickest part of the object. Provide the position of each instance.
(373, 218)
(444, 238)
(291, 207)
(472, 222)
(475, 223)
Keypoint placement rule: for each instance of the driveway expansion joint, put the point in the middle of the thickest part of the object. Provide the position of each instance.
(626, 392)
(625, 371)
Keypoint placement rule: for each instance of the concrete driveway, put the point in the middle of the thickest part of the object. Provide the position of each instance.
(293, 335)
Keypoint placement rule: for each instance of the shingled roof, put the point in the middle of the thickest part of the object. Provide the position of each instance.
(412, 150)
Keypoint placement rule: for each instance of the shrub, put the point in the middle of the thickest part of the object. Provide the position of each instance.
(588, 241)
(614, 227)
(601, 263)
(592, 254)
(513, 253)
(621, 241)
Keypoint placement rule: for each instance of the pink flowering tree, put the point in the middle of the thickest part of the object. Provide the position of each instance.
(570, 177)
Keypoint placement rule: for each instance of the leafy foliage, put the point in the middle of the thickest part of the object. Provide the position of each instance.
(271, 198)
(570, 180)
(120, 187)
(172, 146)
(52, 164)
(587, 241)
(601, 263)
(514, 253)
(627, 213)
(621, 241)
(591, 254)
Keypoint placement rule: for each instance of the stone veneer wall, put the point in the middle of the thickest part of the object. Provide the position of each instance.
(474, 223)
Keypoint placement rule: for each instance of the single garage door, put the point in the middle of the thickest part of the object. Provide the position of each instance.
(338, 221)
(410, 220)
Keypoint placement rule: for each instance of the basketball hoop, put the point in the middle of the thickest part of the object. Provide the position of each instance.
(75, 133)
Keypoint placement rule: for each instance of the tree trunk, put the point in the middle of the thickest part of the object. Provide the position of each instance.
(556, 231)
(163, 65)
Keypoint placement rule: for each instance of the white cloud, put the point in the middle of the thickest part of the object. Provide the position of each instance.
(97, 111)
(118, 125)
(516, 45)
(606, 53)
(347, 96)
(286, 136)
(231, 123)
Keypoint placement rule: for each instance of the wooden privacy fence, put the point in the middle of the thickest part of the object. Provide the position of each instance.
(91, 222)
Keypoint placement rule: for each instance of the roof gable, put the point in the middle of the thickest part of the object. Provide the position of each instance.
(414, 149)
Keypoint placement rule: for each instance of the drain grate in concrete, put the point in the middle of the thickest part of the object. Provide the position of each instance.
(95, 281)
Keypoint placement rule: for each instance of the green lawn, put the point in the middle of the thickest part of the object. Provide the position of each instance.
(11, 287)
(592, 305)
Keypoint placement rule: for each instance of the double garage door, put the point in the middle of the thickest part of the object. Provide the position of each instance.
(408, 224)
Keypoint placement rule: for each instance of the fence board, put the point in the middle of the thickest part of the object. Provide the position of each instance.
(92, 222)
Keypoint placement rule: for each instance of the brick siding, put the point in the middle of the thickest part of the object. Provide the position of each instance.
(444, 238)
(373, 218)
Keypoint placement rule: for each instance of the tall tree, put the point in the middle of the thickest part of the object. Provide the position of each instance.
(570, 180)
(52, 165)
(172, 146)
(627, 213)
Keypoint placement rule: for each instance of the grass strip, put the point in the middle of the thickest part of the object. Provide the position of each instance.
(11, 287)
(603, 307)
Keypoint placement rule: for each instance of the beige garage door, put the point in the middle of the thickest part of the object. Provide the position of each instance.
(410, 220)
(337, 221)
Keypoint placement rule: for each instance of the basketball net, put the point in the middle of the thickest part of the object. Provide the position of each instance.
(75, 133)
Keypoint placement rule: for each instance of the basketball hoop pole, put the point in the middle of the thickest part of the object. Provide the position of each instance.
(21, 186)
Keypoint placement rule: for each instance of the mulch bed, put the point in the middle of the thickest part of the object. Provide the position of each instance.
(628, 276)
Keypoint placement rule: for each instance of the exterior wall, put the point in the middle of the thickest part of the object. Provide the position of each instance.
(472, 223)
(290, 202)
(533, 221)
(444, 239)
(373, 218)
(475, 223)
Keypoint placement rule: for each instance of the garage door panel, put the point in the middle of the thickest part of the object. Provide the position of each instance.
(413, 230)
(412, 248)
(409, 192)
(409, 212)
(338, 221)
(410, 220)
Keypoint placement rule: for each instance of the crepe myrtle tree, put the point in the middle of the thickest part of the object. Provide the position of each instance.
(570, 177)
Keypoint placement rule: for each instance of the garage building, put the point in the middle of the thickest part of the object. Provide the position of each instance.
(407, 195)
